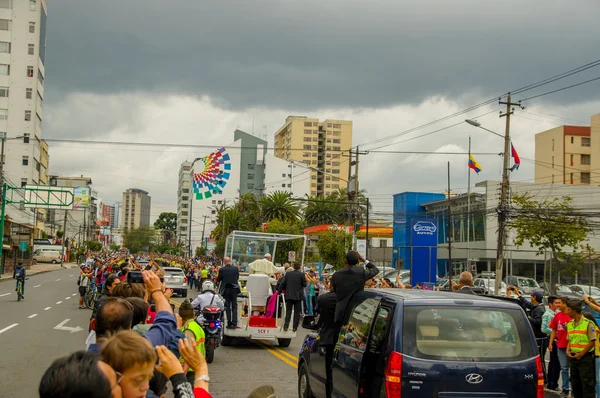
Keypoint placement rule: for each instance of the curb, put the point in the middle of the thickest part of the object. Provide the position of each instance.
(37, 273)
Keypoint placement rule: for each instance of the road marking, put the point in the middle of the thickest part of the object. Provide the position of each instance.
(61, 326)
(47, 308)
(32, 316)
(8, 328)
(5, 294)
(271, 351)
(57, 280)
(68, 298)
(37, 286)
(73, 294)
(58, 302)
(70, 276)
(287, 354)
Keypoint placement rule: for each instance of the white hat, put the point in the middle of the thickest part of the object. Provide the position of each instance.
(268, 255)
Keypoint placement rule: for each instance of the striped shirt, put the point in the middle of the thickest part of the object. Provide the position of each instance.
(546, 319)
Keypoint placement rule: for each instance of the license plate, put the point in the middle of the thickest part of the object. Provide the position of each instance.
(264, 331)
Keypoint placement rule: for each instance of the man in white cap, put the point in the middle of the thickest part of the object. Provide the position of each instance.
(264, 266)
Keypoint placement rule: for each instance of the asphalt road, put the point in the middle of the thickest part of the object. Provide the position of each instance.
(29, 341)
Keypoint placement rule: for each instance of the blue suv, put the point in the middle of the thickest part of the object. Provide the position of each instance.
(413, 343)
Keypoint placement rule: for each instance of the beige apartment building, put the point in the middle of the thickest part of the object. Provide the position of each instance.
(322, 146)
(136, 208)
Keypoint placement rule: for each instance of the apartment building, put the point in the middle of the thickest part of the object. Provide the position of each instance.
(321, 146)
(183, 201)
(136, 208)
(565, 155)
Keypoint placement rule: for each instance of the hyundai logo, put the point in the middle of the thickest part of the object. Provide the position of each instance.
(474, 378)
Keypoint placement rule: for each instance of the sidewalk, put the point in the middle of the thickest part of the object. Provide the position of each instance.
(39, 269)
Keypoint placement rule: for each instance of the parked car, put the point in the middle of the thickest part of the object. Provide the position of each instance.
(489, 286)
(175, 280)
(586, 290)
(524, 284)
(412, 343)
(562, 290)
(392, 273)
(46, 256)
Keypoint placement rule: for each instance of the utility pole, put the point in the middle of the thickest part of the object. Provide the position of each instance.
(3, 196)
(449, 228)
(504, 200)
(203, 230)
(64, 239)
(356, 208)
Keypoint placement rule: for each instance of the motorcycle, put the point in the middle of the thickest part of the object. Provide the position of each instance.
(212, 326)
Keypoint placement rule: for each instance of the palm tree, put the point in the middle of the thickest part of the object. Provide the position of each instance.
(319, 210)
(341, 194)
(279, 206)
(250, 206)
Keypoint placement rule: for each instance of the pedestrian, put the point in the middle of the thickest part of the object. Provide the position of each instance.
(229, 287)
(581, 334)
(309, 293)
(553, 372)
(84, 281)
(328, 332)
(559, 334)
(536, 310)
(591, 318)
(465, 283)
(19, 274)
(350, 280)
(292, 286)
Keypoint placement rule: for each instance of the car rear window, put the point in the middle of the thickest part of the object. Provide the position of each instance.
(174, 271)
(456, 333)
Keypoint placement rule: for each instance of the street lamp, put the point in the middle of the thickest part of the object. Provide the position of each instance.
(477, 124)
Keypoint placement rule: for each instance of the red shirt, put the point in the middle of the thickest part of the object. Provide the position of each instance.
(559, 324)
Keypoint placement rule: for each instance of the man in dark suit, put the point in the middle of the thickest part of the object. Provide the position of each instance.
(349, 280)
(293, 285)
(328, 332)
(229, 288)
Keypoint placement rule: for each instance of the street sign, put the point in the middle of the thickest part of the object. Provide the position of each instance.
(46, 197)
(291, 256)
(23, 246)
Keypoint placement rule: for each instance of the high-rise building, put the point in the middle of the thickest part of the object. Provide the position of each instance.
(183, 202)
(136, 208)
(22, 57)
(322, 146)
(113, 217)
(564, 154)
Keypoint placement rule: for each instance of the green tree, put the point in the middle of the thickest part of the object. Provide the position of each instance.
(551, 225)
(332, 247)
(279, 206)
(249, 205)
(93, 245)
(166, 222)
(284, 247)
(139, 239)
(201, 251)
(341, 194)
(114, 247)
(319, 210)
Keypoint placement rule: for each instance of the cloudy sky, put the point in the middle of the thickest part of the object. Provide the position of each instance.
(192, 71)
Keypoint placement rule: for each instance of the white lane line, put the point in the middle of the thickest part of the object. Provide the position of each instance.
(47, 308)
(57, 280)
(32, 316)
(5, 294)
(37, 286)
(70, 276)
(58, 302)
(8, 328)
(73, 294)
(68, 298)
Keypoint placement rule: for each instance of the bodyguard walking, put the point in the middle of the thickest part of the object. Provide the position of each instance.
(293, 284)
(229, 288)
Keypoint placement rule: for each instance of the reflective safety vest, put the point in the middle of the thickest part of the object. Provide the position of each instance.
(198, 332)
(204, 273)
(577, 335)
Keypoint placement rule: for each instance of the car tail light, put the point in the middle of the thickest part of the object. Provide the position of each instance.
(393, 376)
(540, 377)
(184, 280)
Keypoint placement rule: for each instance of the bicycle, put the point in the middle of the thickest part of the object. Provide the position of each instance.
(20, 289)
(91, 296)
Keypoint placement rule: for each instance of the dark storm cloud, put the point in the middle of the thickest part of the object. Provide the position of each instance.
(309, 54)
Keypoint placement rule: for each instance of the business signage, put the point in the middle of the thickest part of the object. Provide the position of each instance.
(82, 198)
(423, 251)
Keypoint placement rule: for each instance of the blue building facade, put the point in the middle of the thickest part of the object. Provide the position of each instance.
(407, 208)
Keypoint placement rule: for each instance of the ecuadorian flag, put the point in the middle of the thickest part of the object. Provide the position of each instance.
(473, 164)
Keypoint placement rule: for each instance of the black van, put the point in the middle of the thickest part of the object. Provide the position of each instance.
(414, 343)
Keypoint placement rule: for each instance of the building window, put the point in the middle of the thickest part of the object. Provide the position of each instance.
(26, 138)
(250, 186)
(251, 176)
(250, 167)
(313, 177)
(5, 24)
(571, 178)
(585, 178)
(23, 182)
(25, 160)
(586, 141)
(31, 27)
(337, 126)
(4, 69)
(4, 92)
(307, 139)
(5, 3)
(382, 242)
(336, 148)
(337, 133)
(185, 198)
(4, 47)
(336, 140)
(571, 157)
(552, 144)
(30, 71)
(27, 116)
(37, 165)
(586, 159)
(32, 5)
(552, 161)
(40, 78)
(307, 147)
(335, 171)
(31, 49)
(282, 185)
(572, 140)
(184, 213)
(305, 154)
(29, 93)
(3, 114)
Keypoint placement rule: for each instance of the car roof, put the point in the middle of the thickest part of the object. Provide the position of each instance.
(412, 296)
(172, 269)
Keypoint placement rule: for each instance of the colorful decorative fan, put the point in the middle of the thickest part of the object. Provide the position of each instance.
(214, 176)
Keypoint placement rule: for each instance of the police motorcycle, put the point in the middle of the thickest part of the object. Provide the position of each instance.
(210, 318)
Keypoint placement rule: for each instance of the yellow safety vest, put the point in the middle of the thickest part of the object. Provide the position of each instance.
(204, 273)
(199, 332)
(577, 335)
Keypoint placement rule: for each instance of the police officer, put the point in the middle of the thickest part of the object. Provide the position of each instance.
(582, 337)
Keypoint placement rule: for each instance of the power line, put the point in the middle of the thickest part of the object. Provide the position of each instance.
(562, 89)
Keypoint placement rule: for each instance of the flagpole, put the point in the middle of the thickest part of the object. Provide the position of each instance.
(469, 208)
